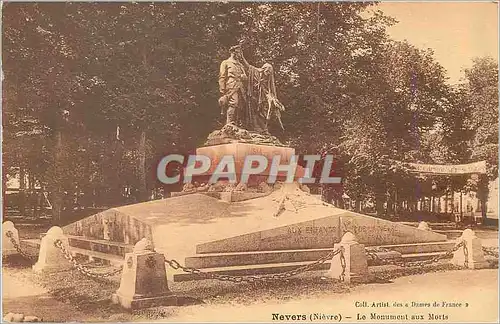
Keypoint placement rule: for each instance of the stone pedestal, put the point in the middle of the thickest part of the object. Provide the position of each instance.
(51, 258)
(144, 282)
(475, 255)
(239, 151)
(7, 246)
(234, 134)
(356, 265)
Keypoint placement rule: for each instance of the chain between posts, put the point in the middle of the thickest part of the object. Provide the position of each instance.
(81, 268)
(269, 277)
(372, 255)
(277, 276)
(10, 235)
(342, 263)
(491, 251)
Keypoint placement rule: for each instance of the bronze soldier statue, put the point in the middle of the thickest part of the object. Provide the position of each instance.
(248, 93)
(232, 86)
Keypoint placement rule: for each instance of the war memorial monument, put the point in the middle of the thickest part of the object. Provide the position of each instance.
(259, 229)
(243, 228)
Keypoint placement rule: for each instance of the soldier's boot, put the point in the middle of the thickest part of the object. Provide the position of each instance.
(231, 116)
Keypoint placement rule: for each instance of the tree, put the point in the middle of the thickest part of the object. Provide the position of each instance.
(41, 71)
(112, 87)
(405, 94)
(481, 99)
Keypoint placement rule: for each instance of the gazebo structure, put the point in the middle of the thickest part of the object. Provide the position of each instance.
(454, 204)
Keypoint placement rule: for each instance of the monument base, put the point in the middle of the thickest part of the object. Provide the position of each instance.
(239, 152)
(138, 302)
(234, 134)
(197, 223)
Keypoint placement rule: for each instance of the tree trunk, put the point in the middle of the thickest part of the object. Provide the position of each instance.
(57, 193)
(390, 205)
(22, 191)
(482, 195)
(484, 209)
(358, 206)
(397, 204)
(115, 196)
(461, 207)
(143, 190)
(379, 203)
(32, 198)
(446, 203)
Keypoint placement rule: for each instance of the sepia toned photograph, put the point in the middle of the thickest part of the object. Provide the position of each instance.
(250, 162)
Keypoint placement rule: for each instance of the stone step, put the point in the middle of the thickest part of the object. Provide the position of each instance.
(32, 246)
(454, 234)
(214, 260)
(421, 256)
(97, 245)
(450, 234)
(104, 258)
(434, 226)
(261, 269)
(248, 270)
(420, 247)
(482, 234)
(240, 263)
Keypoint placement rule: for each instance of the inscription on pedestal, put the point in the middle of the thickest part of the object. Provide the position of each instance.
(323, 232)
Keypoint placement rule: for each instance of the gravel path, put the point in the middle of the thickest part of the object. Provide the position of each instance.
(70, 296)
(480, 291)
(477, 288)
(21, 295)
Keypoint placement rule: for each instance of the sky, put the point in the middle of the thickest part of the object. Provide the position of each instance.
(456, 31)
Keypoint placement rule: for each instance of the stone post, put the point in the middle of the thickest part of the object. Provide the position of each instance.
(144, 279)
(51, 258)
(424, 226)
(356, 265)
(475, 255)
(7, 246)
